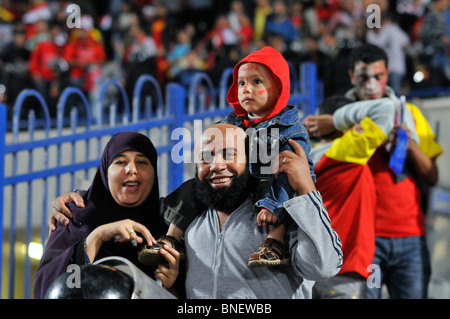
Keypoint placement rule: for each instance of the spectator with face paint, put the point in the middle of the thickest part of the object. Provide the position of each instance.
(401, 251)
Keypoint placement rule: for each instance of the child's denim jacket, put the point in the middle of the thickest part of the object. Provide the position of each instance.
(266, 140)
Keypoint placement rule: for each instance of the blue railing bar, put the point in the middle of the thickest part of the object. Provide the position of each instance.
(102, 97)
(137, 95)
(293, 78)
(298, 99)
(207, 114)
(18, 107)
(61, 105)
(223, 87)
(11, 148)
(2, 176)
(429, 92)
(176, 104)
(32, 122)
(12, 241)
(308, 86)
(196, 80)
(73, 124)
(44, 218)
(30, 176)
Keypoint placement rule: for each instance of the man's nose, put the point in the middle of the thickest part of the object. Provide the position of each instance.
(218, 163)
(372, 82)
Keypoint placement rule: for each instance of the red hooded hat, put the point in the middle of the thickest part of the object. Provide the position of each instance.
(273, 60)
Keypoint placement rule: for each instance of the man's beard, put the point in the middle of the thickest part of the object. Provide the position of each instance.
(226, 199)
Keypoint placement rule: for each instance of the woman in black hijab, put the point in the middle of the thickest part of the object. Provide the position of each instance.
(123, 197)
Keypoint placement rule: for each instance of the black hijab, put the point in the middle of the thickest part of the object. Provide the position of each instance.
(100, 206)
(65, 244)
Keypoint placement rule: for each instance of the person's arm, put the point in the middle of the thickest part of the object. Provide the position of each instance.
(60, 251)
(60, 212)
(120, 231)
(380, 111)
(358, 144)
(424, 166)
(423, 156)
(315, 247)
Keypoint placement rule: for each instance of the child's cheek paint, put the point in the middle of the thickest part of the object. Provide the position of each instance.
(268, 90)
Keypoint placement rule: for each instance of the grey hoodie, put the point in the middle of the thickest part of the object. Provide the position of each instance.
(217, 259)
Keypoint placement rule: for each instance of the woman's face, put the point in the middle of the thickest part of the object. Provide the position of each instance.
(130, 178)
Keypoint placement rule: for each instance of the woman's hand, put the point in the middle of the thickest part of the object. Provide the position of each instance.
(121, 231)
(168, 276)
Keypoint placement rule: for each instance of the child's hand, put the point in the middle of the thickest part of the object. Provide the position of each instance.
(265, 217)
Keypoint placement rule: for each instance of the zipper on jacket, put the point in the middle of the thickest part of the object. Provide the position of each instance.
(217, 252)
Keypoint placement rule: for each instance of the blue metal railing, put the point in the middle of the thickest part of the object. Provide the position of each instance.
(60, 160)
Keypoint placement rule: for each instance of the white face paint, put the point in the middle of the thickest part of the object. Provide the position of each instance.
(370, 79)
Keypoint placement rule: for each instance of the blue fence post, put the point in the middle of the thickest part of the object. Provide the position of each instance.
(103, 91)
(61, 106)
(176, 99)
(293, 78)
(2, 182)
(137, 95)
(223, 87)
(196, 80)
(309, 86)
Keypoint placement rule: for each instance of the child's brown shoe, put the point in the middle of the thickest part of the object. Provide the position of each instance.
(271, 253)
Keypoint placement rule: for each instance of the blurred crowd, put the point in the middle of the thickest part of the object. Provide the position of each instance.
(171, 40)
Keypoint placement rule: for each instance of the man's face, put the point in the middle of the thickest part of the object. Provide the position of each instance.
(220, 155)
(369, 79)
(222, 171)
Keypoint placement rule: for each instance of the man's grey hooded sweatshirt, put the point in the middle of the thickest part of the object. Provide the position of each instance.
(217, 259)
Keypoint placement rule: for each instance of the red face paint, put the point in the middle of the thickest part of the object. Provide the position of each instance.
(256, 89)
(268, 90)
(248, 67)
